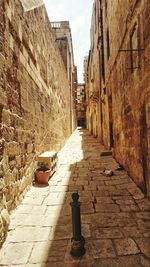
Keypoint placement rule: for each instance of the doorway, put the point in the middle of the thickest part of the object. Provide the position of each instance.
(110, 121)
(91, 123)
(145, 146)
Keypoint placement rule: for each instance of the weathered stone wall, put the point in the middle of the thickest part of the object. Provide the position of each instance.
(94, 104)
(128, 82)
(34, 100)
(63, 35)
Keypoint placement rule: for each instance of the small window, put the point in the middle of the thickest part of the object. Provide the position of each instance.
(134, 48)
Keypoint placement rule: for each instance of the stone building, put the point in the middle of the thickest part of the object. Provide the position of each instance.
(125, 93)
(92, 76)
(81, 105)
(63, 37)
(35, 95)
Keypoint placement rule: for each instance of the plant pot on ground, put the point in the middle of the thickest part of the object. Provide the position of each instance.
(42, 173)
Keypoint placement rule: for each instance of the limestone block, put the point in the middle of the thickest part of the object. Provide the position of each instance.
(10, 206)
(3, 200)
(28, 68)
(8, 192)
(25, 104)
(21, 172)
(5, 219)
(22, 58)
(12, 148)
(20, 136)
(8, 132)
(19, 75)
(32, 66)
(38, 67)
(8, 178)
(20, 31)
(30, 148)
(25, 53)
(11, 42)
(32, 73)
(2, 184)
(18, 161)
(8, 12)
(6, 117)
(29, 159)
(15, 174)
(2, 61)
(3, 97)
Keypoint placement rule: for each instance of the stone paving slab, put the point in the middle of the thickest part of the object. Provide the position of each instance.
(15, 253)
(115, 214)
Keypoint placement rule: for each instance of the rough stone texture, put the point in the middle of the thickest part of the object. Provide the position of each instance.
(63, 38)
(127, 76)
(144, 245)
(40, 232)
(92, 77)
(126, 246)
(34, 99)
(17, 256)
(124, 47)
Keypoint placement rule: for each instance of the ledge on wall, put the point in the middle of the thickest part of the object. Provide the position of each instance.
(106, 153)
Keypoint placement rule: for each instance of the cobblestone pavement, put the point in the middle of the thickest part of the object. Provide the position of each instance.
(115, 215)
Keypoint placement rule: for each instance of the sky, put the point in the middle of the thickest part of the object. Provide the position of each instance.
(79, 15)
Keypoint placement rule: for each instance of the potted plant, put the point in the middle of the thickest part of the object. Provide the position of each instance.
(42, 173)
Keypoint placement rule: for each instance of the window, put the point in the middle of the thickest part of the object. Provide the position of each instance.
(134, 48)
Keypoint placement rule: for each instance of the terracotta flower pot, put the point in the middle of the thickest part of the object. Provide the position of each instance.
(42, 177)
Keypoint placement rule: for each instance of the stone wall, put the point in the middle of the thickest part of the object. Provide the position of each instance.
(128, 84)
(34, 100)
(63, 35)
(93, 71)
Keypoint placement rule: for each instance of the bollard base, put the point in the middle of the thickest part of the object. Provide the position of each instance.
(77, 248)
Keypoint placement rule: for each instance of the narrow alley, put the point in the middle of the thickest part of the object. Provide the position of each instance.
(74, 92)
(115, 215)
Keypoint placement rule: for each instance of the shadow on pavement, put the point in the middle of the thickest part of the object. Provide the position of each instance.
(114, 214)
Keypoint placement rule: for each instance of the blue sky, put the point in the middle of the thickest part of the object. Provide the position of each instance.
(79, 14)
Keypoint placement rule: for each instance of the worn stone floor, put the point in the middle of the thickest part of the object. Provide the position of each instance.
(115, 215)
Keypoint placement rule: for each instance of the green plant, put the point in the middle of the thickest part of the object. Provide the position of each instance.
(43, 166)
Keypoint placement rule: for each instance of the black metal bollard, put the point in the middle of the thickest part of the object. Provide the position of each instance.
(77, 248)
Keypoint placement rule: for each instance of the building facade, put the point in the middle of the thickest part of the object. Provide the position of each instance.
(35, 95)
(63, 37)
(124, 77)
(92, 76)
(81, 105)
